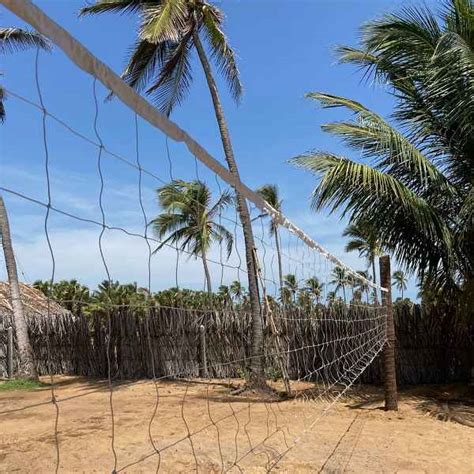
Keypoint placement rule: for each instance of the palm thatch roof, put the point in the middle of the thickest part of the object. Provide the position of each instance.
(35, 303)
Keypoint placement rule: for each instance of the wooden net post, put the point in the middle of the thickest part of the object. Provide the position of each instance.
(10, 352)
(203, 372)
(388, 354)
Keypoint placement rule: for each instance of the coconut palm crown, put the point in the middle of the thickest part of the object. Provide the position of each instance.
(159, 62)
(414, 184)
(189, 219)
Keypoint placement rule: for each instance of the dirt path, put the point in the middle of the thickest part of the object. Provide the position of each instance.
(225, 432)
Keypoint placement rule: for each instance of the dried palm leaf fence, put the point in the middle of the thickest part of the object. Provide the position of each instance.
(331, 346)
(432, 347)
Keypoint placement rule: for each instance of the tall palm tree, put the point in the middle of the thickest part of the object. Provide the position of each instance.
(160, 65)
(189, 219)
(290, 284)
(340, 280)
(399, 281)
(417, 189)
(26, 367)
(364, 240)
(314, 287)
(11, 40)
(270, 193)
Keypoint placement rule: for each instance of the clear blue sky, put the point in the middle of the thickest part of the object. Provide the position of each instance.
(285, 49)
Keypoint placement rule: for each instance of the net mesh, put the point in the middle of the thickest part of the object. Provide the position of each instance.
(190, 346)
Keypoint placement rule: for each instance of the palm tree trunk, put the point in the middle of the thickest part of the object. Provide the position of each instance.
(280, 267)
(257, 377)
(344, 293)
(206, 273)
(402, 291)
(374, 277)
(26, 367)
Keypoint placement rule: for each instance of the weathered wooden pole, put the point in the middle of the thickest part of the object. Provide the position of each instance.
(203, 373)
(26, 366)
(388, 354)
(10, 352)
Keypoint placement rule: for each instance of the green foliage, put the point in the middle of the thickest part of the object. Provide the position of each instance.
(341, 280)
(290, 289)
(273, 373)
(414, 186)
(399, 281)
(270, 193)
(20, 384)
(189, 217)
(159, 62)
(243, 373)
(18, 39)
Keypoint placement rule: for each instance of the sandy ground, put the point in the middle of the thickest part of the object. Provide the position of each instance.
(199, 426)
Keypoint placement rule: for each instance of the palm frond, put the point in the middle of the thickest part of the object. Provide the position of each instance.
(174, 80)
(2, 107)
(222, 234)
(18, 39)
(379, 199)
(144, 59)
(164, 21)
(114, 6)
(377, 140)
(221, 52)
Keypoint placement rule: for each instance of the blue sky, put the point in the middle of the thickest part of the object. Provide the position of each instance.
(285, 49)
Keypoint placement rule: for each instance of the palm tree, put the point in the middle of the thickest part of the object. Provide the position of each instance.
(189, 219)
(357, 296)
(236, 290)
(71, 294)
(159, 64)
(11, 40)
(331, 297)
(314, 287)
(417, 189)
(399, 281)
(270, 193)
(363, 286)
(290, 284)
(26, 367)
(223, 293)
(340, 280)
(364, 240)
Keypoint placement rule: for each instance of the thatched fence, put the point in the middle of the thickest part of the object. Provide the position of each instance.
(432, 347)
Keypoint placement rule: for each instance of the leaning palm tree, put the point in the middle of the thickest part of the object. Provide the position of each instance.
(270, 193)
(160, 65)
(11, 40)
(399, 281)
(340, 280)
(417, 187)
(363, 239)
(189, 219)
